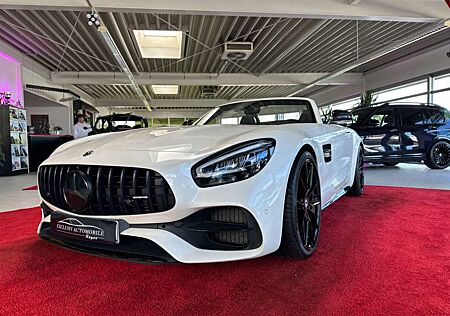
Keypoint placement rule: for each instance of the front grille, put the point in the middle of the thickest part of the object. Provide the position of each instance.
(114, 190)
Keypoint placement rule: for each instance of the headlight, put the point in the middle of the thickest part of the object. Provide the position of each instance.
(234, 164)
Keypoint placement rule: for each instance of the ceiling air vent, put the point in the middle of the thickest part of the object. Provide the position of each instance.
(237, 50)
(209, 91)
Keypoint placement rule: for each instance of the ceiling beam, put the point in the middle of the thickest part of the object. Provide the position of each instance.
(202, 79)
(399, 10)
(156, 103)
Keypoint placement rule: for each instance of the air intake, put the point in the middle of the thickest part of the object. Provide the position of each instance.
(237, 50)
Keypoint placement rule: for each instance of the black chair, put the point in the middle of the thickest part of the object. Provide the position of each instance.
(248, 120)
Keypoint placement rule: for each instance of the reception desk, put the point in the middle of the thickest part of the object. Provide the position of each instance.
(42, 146)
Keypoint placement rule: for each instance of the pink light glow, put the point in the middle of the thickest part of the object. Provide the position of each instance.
(7, 57)
(11, 77)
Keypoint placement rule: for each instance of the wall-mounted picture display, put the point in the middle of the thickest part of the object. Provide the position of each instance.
(22, 127)
(15, 163)
(23, 163)
(24, 150)
(14, 125)
(40, 124)
(13, 113)
(21, 115)
(15, 151)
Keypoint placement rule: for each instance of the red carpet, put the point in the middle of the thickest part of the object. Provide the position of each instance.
(386, 253)
(34, 187)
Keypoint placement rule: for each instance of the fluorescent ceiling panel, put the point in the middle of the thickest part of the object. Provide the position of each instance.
(159, 44)
(165, 89)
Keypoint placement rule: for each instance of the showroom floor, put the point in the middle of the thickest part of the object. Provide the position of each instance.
(404, 175)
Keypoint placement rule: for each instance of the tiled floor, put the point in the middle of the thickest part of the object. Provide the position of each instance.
(408, 175)
(12, 196)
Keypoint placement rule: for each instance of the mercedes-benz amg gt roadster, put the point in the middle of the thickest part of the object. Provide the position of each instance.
(245, 180)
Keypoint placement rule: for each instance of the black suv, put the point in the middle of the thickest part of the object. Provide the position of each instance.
(118, 123)
(394, 133)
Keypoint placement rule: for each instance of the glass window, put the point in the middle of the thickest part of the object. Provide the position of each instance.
(176, 121)
(345, 105)
(442, 99)
(99, 124)
(441, 82)
(127, 124)
(402, 91)
(417, 99)
(230, 120)
(382, 118)
(360, 116)
(160, 121)
(411, 116)
(435, 116)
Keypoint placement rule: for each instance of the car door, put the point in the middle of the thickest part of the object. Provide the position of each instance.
(336, 145)
(380, 135)
(413, 132)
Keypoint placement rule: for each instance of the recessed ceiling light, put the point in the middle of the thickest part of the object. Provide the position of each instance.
(165, 89)
(159, 44)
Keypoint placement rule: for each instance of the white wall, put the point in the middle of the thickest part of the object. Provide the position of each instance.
(419, 65)
(58, 114)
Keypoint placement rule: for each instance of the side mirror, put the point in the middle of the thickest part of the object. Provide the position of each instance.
(188, 122)
(341, 117)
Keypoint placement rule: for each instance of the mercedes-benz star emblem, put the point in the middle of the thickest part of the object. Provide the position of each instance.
(77, 190)
(90, 152)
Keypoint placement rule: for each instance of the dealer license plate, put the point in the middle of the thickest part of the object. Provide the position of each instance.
(87, 229)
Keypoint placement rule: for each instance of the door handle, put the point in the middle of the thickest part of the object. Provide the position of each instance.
(393, 130)
(348, 132)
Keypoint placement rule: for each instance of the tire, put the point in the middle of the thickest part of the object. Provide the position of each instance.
(357, 188)
(438, 156)
(390, 164)
(301, 220)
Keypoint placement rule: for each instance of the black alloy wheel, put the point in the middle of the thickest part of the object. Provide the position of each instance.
(358, 180)
(439, 155)
(301, 222)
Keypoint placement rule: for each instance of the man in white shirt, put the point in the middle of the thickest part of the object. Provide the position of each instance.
(81, 129)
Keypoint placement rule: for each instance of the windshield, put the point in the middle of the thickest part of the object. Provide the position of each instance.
(263, 112)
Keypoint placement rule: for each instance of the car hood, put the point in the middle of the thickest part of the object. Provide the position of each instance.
(186, 139)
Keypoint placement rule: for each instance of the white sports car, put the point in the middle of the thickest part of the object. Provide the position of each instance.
(248, 178)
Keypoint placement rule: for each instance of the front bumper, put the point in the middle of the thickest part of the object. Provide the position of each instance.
(216, 231)
(129, 248)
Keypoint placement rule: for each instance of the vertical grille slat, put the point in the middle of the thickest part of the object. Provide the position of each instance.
(98, 192)
(148, 181)
(112, 189)
(41, 180)
(164, 194)
(60, 184)
(122, 193)
(52, 174)
(47, 185)
(135, 192)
